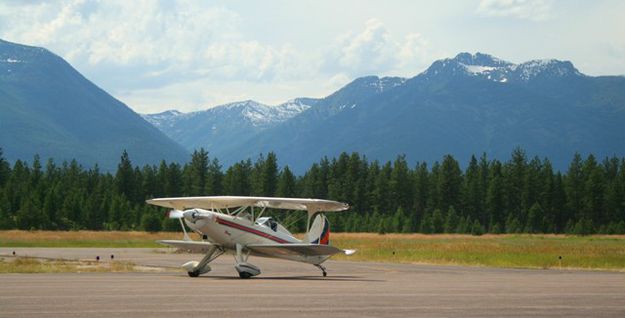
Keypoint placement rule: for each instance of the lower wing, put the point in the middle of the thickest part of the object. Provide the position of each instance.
(297, 249)
(193, 246)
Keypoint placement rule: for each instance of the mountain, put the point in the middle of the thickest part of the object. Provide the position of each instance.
(222, 127)
(465, 105)
(48, 108)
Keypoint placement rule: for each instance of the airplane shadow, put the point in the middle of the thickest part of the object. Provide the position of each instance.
(311, 278)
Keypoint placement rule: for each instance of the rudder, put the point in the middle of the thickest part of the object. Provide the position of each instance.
(319, 232)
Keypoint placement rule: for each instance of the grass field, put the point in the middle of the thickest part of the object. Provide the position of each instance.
(32, 265)
(83, 239)
(522, 251)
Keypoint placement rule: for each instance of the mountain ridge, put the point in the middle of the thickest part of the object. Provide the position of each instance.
(49, 108)
(469, 104)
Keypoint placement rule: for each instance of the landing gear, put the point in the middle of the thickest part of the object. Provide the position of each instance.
(195, 269)
(323, 269)
(245, 269)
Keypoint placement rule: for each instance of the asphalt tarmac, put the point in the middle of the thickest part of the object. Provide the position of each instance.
(287, 289)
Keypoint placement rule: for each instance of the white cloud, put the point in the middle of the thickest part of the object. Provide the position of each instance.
(155, 55)
(375, 51)
(188, 39)
(536, 10)
(201, 94)
(370, 51)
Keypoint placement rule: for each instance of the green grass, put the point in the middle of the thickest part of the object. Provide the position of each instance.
(523, 251)
(519, 251)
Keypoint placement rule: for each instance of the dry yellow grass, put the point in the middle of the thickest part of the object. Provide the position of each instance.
(523, 250)
(33, 265)
(81, 235)
(16, 238)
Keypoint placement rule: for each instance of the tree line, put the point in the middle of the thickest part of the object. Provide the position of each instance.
(519, 195)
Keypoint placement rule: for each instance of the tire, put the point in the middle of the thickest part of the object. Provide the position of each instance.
(194, 274)
(245, 275)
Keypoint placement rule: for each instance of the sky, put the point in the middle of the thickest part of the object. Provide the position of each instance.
(193, 55)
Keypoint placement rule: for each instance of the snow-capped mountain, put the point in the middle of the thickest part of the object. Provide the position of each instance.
(254, 113)
(469, 104)
(491, 68)
(225, 124)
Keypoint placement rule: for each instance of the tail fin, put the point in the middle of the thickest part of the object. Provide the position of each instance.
(319, 232)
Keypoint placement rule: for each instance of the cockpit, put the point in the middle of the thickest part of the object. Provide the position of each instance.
(269, 222)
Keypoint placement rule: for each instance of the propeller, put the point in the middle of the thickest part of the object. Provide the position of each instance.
(175, 214)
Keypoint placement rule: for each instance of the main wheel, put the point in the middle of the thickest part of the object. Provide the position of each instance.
(194, 273)
(245, 275)
(325, 274)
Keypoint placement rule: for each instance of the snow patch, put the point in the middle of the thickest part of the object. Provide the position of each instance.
(478, 69)
(10, 60)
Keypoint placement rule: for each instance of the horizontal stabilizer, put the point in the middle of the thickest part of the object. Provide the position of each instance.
(349, 252)
(193, 246)
(297, 249)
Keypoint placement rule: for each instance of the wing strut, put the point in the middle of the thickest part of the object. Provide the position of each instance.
(177, 214)
(186, 235)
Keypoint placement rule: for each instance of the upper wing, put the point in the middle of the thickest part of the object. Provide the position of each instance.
(223, 202)
(297, 249)
(193, 246)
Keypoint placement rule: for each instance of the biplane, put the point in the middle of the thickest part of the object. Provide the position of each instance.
(236, 225)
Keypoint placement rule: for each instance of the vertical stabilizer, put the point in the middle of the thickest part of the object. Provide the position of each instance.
(319, 232)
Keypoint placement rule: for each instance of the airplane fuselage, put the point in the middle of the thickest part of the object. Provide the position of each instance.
(230, 230)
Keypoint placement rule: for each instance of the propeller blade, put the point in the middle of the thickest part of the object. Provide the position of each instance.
(175, 214)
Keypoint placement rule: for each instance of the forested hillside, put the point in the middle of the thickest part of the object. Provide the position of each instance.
(519, 195)
(47, 107)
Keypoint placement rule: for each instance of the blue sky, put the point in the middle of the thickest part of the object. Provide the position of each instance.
(192, 55)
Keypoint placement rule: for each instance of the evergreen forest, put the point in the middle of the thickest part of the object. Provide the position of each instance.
(520, 195)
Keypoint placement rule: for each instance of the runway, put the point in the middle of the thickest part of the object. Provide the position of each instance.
(286, 289)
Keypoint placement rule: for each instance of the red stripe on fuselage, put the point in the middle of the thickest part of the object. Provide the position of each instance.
(250, 230)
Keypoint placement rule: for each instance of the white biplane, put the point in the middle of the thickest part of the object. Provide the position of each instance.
(236, 224)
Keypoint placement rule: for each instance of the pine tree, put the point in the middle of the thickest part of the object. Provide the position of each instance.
(438, 221)
(514, 174)
(534, 219)
(214, 180)
(400, 184)
(451, 220)
(5, 169)
(421, 191)
(449, 183)
(197, 173)
(476, 228)
(472, 196)
(174, 184)
(287, 184)
(397, 221)
(574, 186)
(426, 226)
(125, 178)
(593, 197)
(495, 196)
(150, 222)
